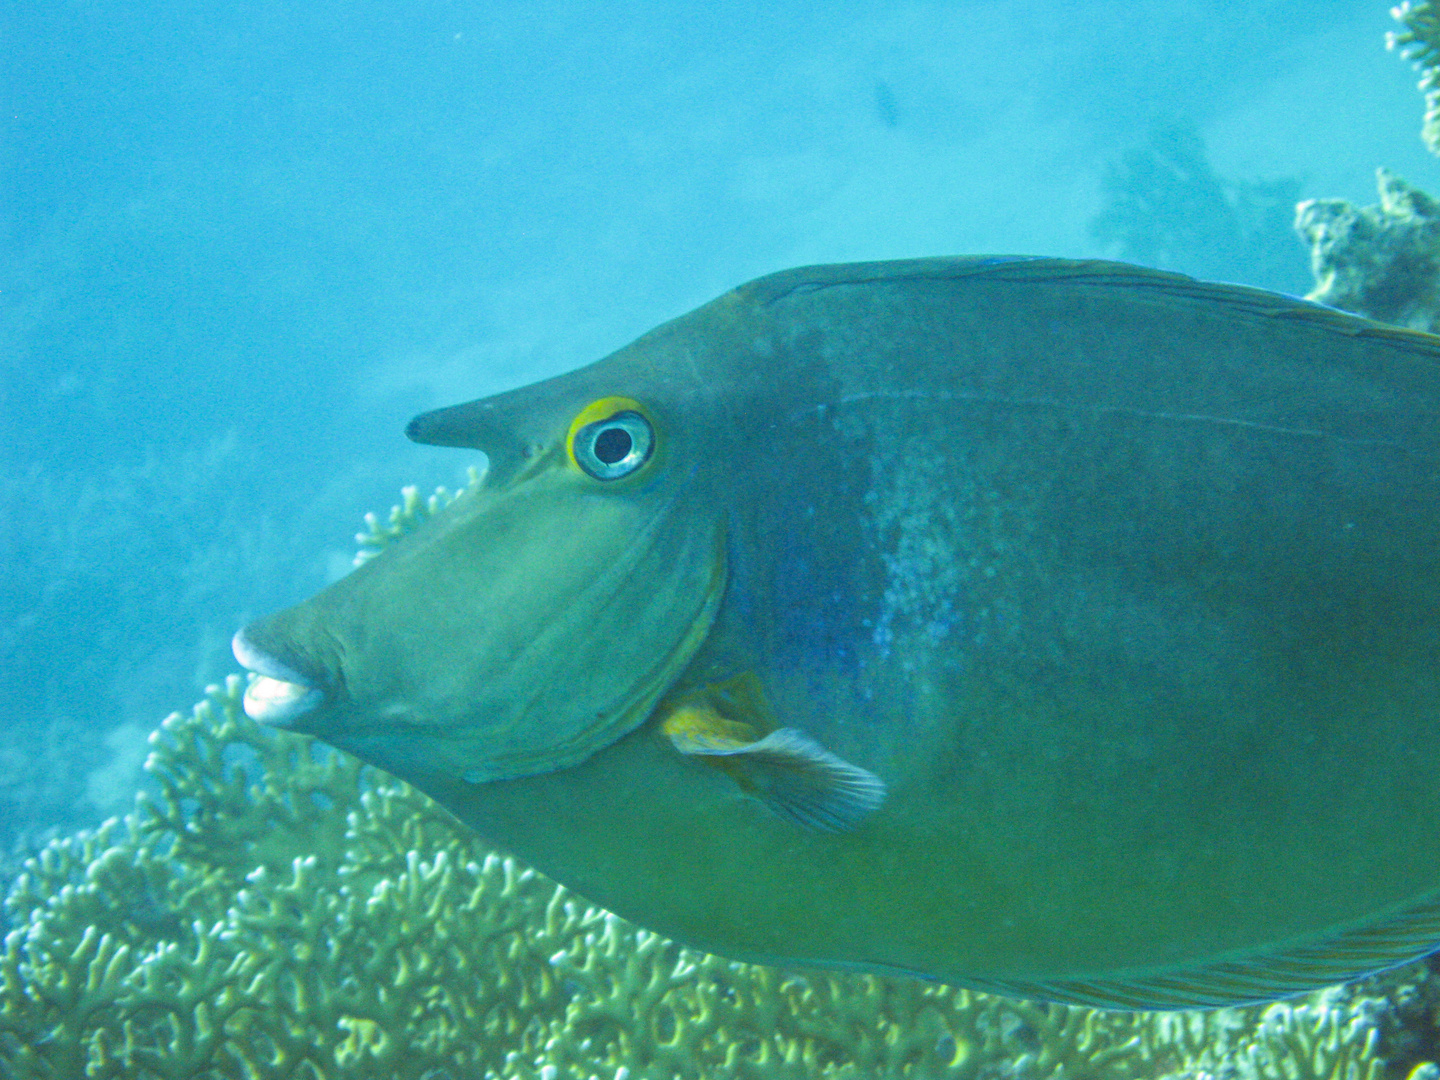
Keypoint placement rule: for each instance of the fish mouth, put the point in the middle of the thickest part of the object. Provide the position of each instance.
(278, 695)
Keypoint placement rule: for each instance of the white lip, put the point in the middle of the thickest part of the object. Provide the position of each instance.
(277, 702)
(277, 695)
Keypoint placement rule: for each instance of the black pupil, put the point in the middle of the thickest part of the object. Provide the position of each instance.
(612, 444)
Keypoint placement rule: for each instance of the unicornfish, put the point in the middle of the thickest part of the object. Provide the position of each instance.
(1055, 628)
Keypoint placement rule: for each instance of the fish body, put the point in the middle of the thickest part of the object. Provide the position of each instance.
(1058, 628)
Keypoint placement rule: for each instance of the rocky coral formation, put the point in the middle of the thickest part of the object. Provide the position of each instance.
(1382, 261)
(276, 910)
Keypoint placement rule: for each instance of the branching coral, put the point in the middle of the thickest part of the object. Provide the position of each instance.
(275, 910)
(1419, 42)
(214, 933)
(408, 516)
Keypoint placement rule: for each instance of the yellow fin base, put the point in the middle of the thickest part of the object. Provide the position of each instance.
(788, 771)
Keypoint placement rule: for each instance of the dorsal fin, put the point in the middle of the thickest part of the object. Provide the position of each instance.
(1099, 273)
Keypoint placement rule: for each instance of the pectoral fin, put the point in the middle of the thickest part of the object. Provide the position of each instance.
(787, 770)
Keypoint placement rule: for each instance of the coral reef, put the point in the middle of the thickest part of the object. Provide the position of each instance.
(273, 909)
(1382, 261)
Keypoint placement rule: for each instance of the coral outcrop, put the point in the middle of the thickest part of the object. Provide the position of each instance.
(1381, 261)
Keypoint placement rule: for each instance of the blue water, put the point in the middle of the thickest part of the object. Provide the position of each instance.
(243, 243)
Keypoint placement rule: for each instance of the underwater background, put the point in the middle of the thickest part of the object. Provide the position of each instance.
(243, 244)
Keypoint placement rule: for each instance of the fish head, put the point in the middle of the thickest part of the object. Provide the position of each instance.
(532, 622)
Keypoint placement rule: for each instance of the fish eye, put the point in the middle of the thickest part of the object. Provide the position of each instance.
(609, 440)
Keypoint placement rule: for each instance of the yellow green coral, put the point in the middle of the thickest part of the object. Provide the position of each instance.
(273, 909)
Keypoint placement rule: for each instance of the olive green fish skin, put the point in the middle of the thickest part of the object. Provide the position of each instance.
(1125, 585)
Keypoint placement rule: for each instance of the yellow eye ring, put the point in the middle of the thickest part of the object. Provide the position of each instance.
(610, 438)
